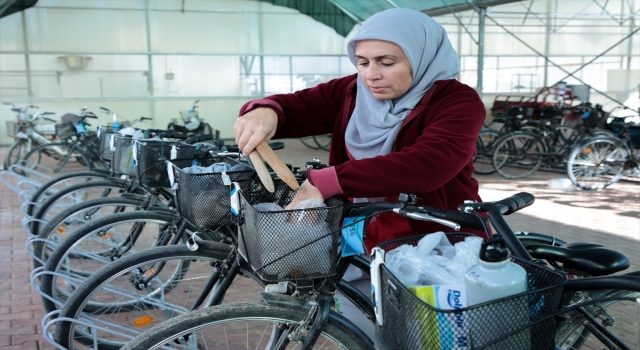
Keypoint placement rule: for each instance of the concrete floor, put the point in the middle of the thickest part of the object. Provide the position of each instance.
(610, 217)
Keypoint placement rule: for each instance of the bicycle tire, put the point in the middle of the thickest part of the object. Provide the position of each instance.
(16, 152)
(572, 334)
(483, 160)
(113, 279)
(309, 142)
(247, 314)
(56, 157)
(99, 243)
(52, 185)
(54, 203)
(323, 141)
(61, 225)
(518, 155)
(597, 162)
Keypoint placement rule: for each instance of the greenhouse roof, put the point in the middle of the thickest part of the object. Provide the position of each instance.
(8, 7)
(342, 15)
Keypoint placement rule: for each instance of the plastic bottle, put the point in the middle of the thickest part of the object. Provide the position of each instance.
(494, 277)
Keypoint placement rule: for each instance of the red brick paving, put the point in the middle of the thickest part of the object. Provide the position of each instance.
(610, 217)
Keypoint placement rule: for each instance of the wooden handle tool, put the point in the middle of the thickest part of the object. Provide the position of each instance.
(263, 172)
(277, 165)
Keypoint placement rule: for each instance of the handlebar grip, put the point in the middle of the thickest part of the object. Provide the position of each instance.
(50, 120)
(32, 106)
(375, 207)
(517, 201)
(199, 138)
(276, 145)
(464, 219)
(47, 113)
(174, 135)
(145, 118)
(92, 116)
(104, 109)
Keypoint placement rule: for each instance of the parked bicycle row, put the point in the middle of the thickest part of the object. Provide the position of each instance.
(143, 256)
(594, 150)
(72, 138)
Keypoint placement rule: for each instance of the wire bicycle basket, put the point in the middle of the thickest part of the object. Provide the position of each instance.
(152, 156)
(410, 323)
(203, 199)
(288, 244)
(122, 158)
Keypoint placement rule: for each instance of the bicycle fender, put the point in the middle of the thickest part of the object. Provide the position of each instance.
(304, 305)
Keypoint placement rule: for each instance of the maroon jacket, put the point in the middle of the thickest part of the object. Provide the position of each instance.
(432, 155)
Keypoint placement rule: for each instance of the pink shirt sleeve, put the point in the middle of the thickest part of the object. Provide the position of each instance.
(326, 181)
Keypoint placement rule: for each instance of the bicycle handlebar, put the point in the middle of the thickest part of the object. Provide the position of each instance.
(449, 218)
(199, 138)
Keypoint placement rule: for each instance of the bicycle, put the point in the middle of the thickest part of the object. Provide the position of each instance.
(78, 147)
(27, 133)
(519, 154)
(306, 315)
(601, 161)
(319, 141)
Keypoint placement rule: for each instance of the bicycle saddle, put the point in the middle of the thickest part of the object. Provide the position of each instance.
(591, 258)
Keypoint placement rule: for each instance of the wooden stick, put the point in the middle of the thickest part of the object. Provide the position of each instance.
(263, 172)
(277, 165)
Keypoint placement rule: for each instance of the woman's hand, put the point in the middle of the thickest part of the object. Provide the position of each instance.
(254, 127)
(306, 191)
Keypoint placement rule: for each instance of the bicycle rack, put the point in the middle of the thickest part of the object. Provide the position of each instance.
(25, 221)
(31, 240)
(92, 324)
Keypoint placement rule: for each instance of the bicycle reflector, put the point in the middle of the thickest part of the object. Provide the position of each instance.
(143, 321)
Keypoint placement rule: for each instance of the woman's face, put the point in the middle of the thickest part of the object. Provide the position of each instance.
(384, 68)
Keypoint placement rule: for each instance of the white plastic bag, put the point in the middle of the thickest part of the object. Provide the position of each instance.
(434, 261)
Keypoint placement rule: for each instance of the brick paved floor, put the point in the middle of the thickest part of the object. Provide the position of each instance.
(610, 217)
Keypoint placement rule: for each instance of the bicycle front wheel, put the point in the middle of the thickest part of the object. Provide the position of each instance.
(144, 289)
(518, 155)
(18, 150)
(485, 143)
(99, 243)
(246, 326)
(56, 158)
(597, 163)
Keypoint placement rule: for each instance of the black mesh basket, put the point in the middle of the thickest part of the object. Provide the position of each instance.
(203, 199)
(152, 156)
(65, 130)
(410, 323)
(105, 133)
(122, 159)
(289, 244)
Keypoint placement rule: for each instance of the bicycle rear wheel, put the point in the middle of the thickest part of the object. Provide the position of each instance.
(597, 163)
(518, 155)
(113, 296)
(619, 314)
(246, 326)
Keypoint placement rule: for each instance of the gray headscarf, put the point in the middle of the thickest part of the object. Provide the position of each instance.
(374, 124)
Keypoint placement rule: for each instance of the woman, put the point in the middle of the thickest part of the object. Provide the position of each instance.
(408, 125)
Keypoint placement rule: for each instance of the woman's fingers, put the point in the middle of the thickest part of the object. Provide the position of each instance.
(254, 127)
(306, 191)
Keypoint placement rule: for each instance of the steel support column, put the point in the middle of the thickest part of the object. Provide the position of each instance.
(25, 37)
(482, 14)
